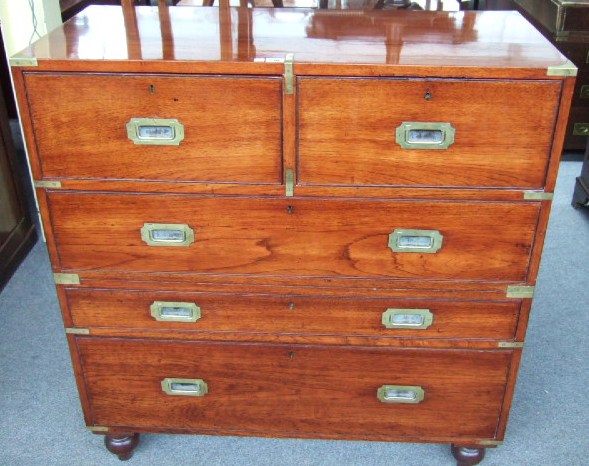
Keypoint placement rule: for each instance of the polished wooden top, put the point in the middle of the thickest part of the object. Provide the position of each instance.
(252, 40)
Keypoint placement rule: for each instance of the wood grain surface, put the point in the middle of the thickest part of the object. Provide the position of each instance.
(369, 43)
(233, 127)
(326, 237)
(347, 132)
(295, 315)
(294, 389)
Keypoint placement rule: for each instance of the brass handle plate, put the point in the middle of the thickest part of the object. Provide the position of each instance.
(400, 394)
(166, 311)
(155, 131)
(184, 387)
(581, 129)
(167, 234)
(425, 135)
(421, 241)
(411, 319)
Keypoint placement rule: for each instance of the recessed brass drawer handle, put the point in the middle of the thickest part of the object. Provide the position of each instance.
(167, 234)
(155, 131)
(422, 241)
(184, 387)
(411, 319)
(581, 129)
(425, 135)
(165, 311)
(400, 394)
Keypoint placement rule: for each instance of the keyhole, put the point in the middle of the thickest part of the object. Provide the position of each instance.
(152, 89)
(290, 209)
(291, 355)
(428, 95)
(291, 306)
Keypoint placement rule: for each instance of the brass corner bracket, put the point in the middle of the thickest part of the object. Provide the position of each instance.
(77, 331)
(520, 291)
(510, 344)
(23, 61)
(491, 443)
(66, 278)
(97, 428)
(565, 69)
(538, 196)
(47, 184)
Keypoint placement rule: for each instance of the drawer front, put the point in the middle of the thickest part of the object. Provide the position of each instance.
(343, 238)
(502, 132)
(294, 390)
(205, 312)
(231, 127)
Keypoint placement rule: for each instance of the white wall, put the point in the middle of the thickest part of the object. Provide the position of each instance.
(17, 23)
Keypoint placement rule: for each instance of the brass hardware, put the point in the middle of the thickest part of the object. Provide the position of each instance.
(520, 292)
(184, 387)
(47, 184)
(581, 129)
(291, 355)
(164, 311)
(155, 131)
(538, 196)
(289, 182)
(425, 135)
(565, 69)
(411, 319)
(400, 394)
(152, 88)
(422, 241)
(291, 306)
(584, 94)
(491, 443)
(66, 278)
(23, 61)
(97, 428)
(290, 209)
(510, 344)
(167, 234)
(77, 331)
(428, 95)
(289, 73)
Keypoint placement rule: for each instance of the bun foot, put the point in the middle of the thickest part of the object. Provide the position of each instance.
(467, 456)
(121, 445)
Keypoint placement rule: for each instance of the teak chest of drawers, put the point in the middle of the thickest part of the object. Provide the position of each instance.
(274, 224)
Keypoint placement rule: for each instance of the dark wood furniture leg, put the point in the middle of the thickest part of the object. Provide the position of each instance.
(467, 456)
(581, 193)
(121, 444)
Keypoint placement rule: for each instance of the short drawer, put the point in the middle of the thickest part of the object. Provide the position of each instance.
(294, 315)
(292, 390)
(418, 132)
(113, 126)
(294, 237)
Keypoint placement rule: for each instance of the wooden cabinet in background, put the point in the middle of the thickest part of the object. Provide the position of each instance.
(309, 224)
(17, 231)
(566, 24)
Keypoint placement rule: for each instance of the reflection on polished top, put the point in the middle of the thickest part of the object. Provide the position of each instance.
(491, 39)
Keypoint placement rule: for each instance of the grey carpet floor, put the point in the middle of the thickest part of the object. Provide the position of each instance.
(41, 421)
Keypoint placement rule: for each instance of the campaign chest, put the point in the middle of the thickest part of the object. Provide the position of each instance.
(268, 224)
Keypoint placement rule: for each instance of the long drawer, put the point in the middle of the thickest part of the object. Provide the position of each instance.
(290, 390)
(294, 237)
(425, 132)
(293, 315)
(138, 127)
